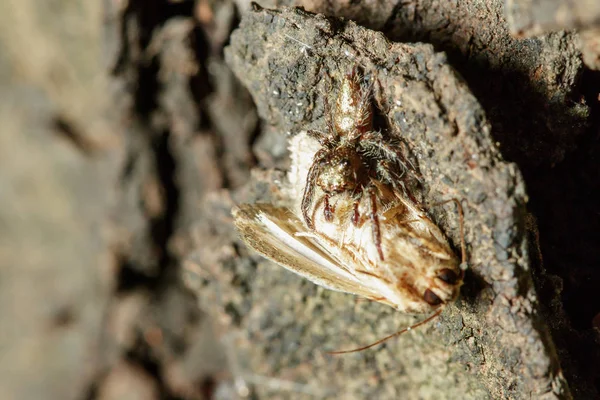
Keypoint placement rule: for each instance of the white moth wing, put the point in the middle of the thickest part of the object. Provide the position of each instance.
(277, 234)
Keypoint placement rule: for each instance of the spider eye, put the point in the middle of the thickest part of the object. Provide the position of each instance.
(344, 162)
(431, 298)
(448, 276)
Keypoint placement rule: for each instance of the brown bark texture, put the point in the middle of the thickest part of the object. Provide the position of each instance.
(534, 17)
(130, 129)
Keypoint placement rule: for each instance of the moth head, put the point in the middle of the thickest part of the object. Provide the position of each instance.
(423, 294)
(441, 286)
(421, 275)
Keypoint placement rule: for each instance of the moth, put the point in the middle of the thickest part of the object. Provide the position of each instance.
(350, 226)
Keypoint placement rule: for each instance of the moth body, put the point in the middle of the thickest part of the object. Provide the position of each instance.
(347, 223)
(418, 272)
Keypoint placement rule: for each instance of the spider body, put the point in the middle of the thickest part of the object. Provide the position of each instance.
(344, 171)
(352, 156)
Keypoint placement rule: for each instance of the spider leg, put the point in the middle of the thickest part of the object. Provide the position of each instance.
(328, 210)
(356, 214)
(357, 195)
(315, 134)
(325, 139)
(391, 163)
(374, 143)
(388, 172)
(375, 220)
(329, 119)
(309, 188)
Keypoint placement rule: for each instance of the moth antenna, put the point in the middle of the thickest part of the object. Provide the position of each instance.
(426, 320)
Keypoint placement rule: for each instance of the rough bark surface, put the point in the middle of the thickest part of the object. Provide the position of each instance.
(126, 139)
(532, 17)
(290, 60)
(58, 164)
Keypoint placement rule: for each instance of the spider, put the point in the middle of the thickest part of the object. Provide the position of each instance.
(353, 154)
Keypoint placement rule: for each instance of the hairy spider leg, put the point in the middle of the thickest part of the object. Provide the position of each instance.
(325, 139)
(373, 143)
(328, 210)
(394, 168)
(356, 213)
(387, 172)
(333, 133)
(309, 188)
